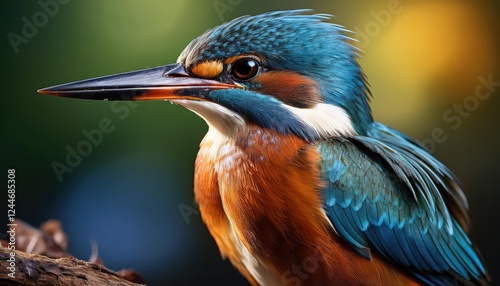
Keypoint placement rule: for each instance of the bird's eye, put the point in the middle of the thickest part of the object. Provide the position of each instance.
(245, 69)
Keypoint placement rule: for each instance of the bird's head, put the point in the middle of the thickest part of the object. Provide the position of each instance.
(285, 71)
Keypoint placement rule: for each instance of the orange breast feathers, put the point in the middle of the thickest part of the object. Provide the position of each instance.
(261, 190)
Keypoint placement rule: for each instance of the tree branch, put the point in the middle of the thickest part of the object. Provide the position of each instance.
(32, 269)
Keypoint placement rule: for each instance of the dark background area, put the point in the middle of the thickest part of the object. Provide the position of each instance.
(132, 192)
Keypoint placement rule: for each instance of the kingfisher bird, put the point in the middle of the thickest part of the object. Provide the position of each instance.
(295, 181)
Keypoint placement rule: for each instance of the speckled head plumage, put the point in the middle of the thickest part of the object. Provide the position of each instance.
(293, 41)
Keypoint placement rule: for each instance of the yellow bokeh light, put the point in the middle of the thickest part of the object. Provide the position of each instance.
(439, 41)
(424, 53)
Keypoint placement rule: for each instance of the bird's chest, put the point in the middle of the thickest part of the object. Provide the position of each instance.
(255, 192)
(245, 166)
(246, 170)
(231, 176)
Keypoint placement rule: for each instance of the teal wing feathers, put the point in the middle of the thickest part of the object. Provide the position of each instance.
(385, 193)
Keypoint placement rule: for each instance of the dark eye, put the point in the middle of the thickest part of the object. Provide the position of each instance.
(245, 69)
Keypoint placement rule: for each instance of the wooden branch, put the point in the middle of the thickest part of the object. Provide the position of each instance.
(32, 269)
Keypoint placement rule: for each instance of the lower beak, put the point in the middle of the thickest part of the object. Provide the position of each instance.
(166, 82)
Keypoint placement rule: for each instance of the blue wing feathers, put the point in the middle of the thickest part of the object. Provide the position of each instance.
(399, 246)
(351, 235)
(428, 262)
(405, 247)
(376, 236)
(386, 193)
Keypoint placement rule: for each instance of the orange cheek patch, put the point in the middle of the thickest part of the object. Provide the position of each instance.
(289, 87)
(208, 69)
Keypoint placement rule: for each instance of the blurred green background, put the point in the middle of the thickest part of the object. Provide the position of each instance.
(132, 192)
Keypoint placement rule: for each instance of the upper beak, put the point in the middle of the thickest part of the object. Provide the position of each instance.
(165, 82)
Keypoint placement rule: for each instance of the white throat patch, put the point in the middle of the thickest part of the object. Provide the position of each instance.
(216, 116)
(325, 119)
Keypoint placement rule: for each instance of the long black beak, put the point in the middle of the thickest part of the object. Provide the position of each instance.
(165, 82)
